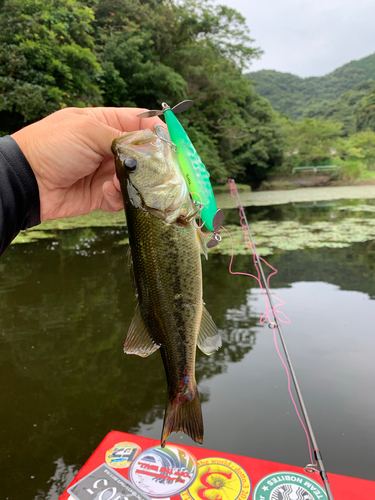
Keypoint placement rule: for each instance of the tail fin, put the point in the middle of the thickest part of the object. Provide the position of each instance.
(185, 417)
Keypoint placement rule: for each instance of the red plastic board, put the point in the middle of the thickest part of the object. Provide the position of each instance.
(247, 473)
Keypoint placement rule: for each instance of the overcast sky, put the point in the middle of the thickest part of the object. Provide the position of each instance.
(308, 37)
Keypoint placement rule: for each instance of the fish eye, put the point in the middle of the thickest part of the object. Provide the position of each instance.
(131, 164)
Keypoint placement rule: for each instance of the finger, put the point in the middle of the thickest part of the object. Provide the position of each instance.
(98, 136)
(116, 183)
(124, 119)
(112, 196)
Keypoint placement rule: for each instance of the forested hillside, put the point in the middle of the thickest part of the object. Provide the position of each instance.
(292, 95)
(347, 109)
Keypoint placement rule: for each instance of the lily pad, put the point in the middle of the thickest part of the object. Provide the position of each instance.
(29, 236)
(49, 228)
(272, 237)
(356, 225)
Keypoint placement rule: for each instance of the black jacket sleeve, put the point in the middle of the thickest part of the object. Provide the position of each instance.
(19, 194)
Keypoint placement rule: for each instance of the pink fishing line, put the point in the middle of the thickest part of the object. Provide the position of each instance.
(266, 315)
(290, 392)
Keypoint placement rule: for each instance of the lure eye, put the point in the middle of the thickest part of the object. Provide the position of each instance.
(131, 164)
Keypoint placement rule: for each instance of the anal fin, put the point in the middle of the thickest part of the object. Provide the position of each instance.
(138, 340)
(209, 339)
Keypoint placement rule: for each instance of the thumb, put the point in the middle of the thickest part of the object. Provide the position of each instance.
(100, 136)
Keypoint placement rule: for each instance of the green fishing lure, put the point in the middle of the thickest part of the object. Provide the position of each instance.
(196, 175)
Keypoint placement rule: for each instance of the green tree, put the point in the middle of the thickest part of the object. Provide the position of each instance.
(58, 53)
(160, 51)
(46, 59)
(310, 141)
(134, 38)
(365, 113)
(262, 151)
(358, 153)
(128, 36)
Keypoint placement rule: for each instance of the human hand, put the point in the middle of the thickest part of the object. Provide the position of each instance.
(70, 154)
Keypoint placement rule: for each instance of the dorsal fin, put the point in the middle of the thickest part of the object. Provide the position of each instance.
(138, 340)
(209, 339)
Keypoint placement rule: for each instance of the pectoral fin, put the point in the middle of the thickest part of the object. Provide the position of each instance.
(138, 340)
(209, 339)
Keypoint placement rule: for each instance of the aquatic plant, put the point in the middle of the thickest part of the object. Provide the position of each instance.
(355, 225)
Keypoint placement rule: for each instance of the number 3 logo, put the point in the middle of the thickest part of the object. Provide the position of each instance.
(219, 479)
(218, 484)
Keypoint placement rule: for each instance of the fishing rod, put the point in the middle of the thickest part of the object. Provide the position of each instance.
(319, 466)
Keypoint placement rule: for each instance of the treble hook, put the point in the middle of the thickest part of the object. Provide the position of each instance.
(157, 129)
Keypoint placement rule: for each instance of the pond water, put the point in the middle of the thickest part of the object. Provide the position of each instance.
(66, 303)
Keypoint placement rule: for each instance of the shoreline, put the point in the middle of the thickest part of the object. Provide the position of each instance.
(307, 194)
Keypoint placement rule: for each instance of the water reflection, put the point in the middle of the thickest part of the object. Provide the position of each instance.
(63, 476)
(65, 382)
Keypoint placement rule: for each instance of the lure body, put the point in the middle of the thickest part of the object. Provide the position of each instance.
(194, 171)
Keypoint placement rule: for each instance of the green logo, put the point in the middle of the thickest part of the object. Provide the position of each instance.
(288, 486)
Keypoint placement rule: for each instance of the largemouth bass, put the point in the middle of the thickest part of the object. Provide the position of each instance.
(166, 272)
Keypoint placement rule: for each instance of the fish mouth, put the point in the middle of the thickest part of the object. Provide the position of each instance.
(136, 138)
(124, 140)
